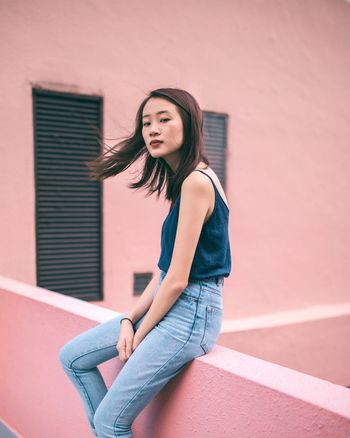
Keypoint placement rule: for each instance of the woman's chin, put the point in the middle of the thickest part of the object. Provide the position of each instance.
(156, 154)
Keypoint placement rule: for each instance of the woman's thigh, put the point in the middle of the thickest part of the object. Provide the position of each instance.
(196, 318)
(94, 346)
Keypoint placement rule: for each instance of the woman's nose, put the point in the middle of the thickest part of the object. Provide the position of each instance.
(154, 129)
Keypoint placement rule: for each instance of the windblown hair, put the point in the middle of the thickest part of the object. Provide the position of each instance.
(156, 172)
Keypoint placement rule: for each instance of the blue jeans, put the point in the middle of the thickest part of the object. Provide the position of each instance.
(188, 330)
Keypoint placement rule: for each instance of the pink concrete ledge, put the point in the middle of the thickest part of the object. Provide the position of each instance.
(222, 394)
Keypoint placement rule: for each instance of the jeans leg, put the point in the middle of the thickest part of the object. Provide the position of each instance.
(156, 360)
(81, 355)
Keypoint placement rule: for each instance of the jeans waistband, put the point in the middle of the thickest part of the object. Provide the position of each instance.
(218, 280)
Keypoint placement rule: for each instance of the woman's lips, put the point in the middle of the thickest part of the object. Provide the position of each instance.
(156, 144)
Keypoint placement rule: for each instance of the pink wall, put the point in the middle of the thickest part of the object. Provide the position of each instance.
(224, 393)
(280, 70)
(319, 347)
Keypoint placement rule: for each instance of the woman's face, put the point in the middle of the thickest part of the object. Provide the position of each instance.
(162, 122)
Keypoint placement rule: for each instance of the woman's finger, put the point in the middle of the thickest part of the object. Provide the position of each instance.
(128, 348)
(122, 350)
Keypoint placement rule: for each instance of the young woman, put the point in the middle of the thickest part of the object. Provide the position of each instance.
(179, 315)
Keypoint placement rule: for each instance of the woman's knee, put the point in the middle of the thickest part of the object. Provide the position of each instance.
(109, 422)
(104, 426)
(99, 422)
(65, 355)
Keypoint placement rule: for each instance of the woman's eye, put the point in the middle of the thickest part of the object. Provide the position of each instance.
(164, 120)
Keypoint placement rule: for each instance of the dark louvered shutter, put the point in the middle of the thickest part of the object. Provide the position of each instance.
(141, 281)
(215, 142)
(68, 205)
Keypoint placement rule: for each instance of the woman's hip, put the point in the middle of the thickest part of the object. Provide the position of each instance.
(196, 317)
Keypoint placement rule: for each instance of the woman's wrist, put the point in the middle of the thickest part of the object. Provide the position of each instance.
(130, 321)
(130, 316)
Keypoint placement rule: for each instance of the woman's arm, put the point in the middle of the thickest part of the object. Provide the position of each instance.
(145, 300)
(196, 193)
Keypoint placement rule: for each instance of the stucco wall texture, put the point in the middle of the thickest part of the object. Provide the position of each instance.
(279, 69)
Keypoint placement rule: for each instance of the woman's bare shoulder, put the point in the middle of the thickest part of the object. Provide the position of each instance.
(196, 184)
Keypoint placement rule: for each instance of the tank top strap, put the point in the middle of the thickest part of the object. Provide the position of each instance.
(211, 179)
(215, 188)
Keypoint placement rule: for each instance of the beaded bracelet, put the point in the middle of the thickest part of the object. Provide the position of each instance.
(130, 321)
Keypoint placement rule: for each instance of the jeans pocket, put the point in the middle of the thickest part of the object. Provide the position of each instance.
(212, 327)
(187, 298)
(179, 320)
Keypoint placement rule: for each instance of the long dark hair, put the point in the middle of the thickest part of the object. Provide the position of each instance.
(156, 172)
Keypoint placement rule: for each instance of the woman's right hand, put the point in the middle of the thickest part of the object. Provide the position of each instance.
(125, 341)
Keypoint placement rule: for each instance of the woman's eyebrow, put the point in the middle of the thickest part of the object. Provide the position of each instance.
(159, 112)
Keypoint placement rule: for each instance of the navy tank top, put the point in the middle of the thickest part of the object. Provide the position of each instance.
(213, 254)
